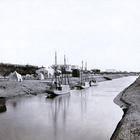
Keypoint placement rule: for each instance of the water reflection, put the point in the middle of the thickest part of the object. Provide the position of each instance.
(2, 105)
(59, 111)
(14, 104)
(83, 103)
(3, 109)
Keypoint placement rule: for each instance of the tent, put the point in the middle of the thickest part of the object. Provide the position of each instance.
(1, 77)
(41, 76)
(15, 77)
(29, 77)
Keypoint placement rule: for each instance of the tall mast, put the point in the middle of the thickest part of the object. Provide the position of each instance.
(82, 72)
(82, 65)
(85, 71)
(64, 60)
(65, 67)
(55, 58)
(85, 66)
(55, 66)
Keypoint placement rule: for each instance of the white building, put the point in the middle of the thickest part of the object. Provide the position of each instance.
(111, 70)
(68, 67)
(42, 70)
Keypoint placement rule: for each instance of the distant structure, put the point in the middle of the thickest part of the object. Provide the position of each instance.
(111, 70)
(75, 73)
(95, 71)
(47, 72)
(68, 68)
(15, 77)
(50, 72)
(41, 70)
(71, 70)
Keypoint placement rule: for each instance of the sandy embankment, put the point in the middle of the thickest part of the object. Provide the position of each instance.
(129, 100)
(12, 88)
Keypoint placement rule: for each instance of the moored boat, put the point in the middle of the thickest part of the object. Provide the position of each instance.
(93, 83)
(59, 87)
(83, 81)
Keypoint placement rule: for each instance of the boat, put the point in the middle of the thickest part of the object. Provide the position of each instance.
(59, 90)
(84, 83)
(93, 83)
(60, 85)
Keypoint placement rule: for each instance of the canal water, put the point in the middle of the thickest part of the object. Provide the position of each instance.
(88, 114)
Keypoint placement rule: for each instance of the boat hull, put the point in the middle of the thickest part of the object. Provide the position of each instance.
(93, 84)
(83, 85)
(65, 89)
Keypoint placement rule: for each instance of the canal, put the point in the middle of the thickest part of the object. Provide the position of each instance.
(88, 114)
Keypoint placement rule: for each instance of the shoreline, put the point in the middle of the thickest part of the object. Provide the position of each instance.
(10, 89)
(129, 100)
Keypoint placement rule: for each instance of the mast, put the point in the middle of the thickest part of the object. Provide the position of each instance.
(85, 66)
(82, 72)
(65, 68)
(86, 71)
(55, 67)
(64, 60)
(55, 58)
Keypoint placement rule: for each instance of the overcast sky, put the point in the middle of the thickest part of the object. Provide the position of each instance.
(105, 33)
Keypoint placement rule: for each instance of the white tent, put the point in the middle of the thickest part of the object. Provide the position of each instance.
(41, 76)
(1, 77)
(29, 77)
(15, 77)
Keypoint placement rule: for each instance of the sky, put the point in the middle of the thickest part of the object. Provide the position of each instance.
(105, 33)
